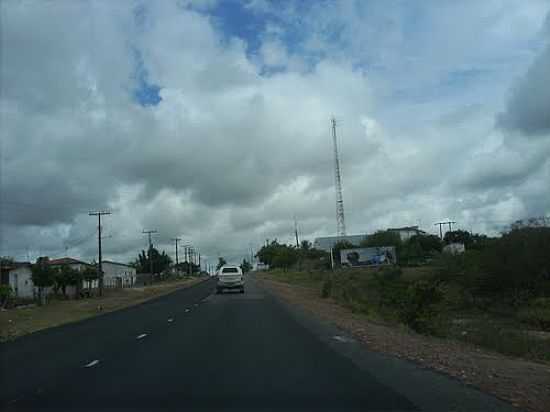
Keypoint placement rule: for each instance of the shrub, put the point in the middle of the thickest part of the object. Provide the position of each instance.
(537, 313)
(518, 265)
(5, 294)
(420, 310)
(326, 288)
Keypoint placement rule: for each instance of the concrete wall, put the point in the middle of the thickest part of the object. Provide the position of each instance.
(118, 275)
(21, 282)
(71, 290)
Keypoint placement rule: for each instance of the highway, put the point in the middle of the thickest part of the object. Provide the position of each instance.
(195, 350)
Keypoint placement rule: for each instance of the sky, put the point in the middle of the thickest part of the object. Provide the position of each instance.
(210, 120)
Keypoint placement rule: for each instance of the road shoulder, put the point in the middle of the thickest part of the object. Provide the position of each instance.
(18, 322)
(388, 351)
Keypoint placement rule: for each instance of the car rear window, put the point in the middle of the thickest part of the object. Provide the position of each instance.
(230, 270)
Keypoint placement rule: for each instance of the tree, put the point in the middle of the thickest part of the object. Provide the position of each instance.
(518, 264)
(470, 240)
(246, 266)
(306, 245)
(418, 247)
(42, 277)
(5, 295)
(385, 238)
(267, 253)
(66, 276)
(161, 261)
(284, 257)
(221, 262)
(458, 236)
(6, 261)
(187, 267)
(89, 275)
(428, 243)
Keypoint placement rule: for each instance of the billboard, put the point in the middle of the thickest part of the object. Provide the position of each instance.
(368, 256)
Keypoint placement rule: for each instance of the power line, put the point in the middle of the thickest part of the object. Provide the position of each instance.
(450, 223)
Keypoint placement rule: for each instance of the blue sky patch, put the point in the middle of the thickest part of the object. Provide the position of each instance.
(145, 93)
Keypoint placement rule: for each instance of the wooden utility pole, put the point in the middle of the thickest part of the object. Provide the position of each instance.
(296, 233)
(449, 222)
(149, 233)
(99, 265)
(177, 239)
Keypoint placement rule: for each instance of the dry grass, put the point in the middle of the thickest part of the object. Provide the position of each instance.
(18, 322)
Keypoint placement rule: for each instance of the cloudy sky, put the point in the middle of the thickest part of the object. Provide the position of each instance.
(210, 119)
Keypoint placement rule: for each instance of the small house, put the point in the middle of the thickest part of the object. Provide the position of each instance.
(78, 265)
(19, 276)
(118, 275)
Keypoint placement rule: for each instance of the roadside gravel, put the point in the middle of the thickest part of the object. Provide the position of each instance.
(523, 383)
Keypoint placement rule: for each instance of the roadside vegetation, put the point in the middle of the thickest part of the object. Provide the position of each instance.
(31, 318)
(495, 295)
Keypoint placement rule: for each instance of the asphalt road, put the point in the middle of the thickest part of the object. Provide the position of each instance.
(194, 350)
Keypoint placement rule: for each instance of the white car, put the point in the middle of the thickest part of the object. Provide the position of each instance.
(230, 277)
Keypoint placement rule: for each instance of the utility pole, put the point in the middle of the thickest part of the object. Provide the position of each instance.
(449, 222)
(296, 232)
(149, 233)
(188, 258)
(99, 265)
(177, 239)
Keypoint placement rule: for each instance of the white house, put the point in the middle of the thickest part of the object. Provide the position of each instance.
(19, 276)
(76, 265)
(118, 275)
(405, 233)
(454, 248)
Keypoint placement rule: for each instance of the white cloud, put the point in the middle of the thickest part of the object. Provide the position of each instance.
(230, 154)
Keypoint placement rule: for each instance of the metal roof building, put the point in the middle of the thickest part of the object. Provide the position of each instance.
(327, 243)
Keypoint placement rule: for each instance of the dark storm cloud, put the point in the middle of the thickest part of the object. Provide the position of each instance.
(528, 110)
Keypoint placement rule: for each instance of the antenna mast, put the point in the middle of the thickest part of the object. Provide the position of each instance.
(340, 222)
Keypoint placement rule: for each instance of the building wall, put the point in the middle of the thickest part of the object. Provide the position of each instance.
(407, 234)
(71, 290)
(118, 275)
(21, 282)
(327, 243)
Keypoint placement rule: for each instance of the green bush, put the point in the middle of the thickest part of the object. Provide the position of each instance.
(508, 341)
(5, 294)
(420, 308)
(537, 313)
(517, 266)
(326, 288)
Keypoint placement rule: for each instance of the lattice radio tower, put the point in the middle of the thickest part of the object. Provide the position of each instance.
(340, 221)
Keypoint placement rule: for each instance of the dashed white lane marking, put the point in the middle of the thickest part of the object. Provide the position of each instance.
(170, 320)
(195, 304)
(187, 310)
(92, 363)
(342, 339)
(141, 336)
